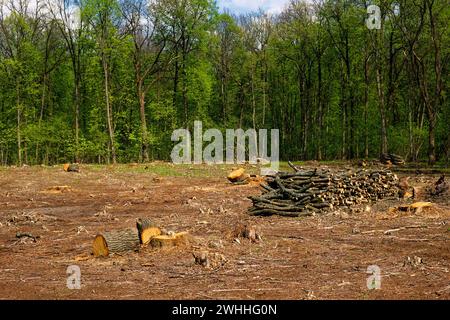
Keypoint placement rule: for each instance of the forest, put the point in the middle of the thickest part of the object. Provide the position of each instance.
(107, 81)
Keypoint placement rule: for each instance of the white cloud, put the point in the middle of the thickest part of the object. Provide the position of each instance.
(244, 6)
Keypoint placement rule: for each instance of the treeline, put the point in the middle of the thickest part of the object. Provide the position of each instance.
(109, 80)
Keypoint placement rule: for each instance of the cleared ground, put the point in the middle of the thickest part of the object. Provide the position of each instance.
(321, 257)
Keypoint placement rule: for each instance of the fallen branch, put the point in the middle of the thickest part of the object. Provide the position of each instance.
(20, 235)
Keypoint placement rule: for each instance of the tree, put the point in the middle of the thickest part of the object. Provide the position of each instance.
(149, 39)
(73, 27)
(103, 17)
(188, 22)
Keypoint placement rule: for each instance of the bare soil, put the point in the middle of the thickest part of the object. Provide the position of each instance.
(320, 257)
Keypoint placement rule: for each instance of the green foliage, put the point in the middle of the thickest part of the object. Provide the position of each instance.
(317, 73)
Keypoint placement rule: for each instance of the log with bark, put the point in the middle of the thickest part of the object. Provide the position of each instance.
(147, 230)
(390, 158)
(146, 233)
(306, 192)
(71, 167)
(441, 187)
(116, 242)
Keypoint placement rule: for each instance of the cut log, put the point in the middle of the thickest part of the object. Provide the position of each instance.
(403, 184)
(407, 195)
(416, 207)
(209, 260)
(293, 166)
(362, 163)
(70, 167)
(419, 206)
(237, 175)
(440, 187)
(165, 241)
(390, 159)
(306, 192)
(147, 230)
(418, 192)
(115, 242)
(246, 231)
(201, 258)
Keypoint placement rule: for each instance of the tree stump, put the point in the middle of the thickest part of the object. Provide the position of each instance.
(164, 241)
(246, 231)
(209, 260)
(238, 176)
(147, 230)
(416, 207)
(115, 242)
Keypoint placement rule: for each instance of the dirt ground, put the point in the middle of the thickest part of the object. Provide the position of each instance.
(320, 257)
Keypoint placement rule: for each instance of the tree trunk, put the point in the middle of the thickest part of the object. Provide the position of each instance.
(19, 138)
(320, 109)
(241, 105)
(264, 91)
(77, 115)
(350, 102)
(109, 109)
(253, 100)
(185, 88)
(366, 108)
(344, 130)
(144, 132)
(175, 82)
(41, 111)
(224, 106)
(384, 143)
(76, 66)
(432, 139)
(380, 90)
(437, 101)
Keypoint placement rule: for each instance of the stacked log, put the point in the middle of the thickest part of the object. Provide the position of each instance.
(390, 158)
(306, 192)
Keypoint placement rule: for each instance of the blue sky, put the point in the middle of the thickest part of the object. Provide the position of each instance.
(244, 6)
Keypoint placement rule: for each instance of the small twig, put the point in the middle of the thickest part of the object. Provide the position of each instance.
(388, 232)
(416, 227)
(289, 237)
(371, 231)
(412, 239)
(242, 289)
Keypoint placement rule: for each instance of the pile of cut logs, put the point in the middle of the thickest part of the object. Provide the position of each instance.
(389, 158)
(305, 192)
